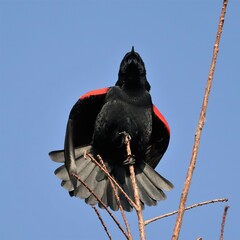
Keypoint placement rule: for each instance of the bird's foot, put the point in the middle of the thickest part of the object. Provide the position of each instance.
(130, 160)
(123, 138)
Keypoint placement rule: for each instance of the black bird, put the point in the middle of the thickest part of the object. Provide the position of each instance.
(98, 123)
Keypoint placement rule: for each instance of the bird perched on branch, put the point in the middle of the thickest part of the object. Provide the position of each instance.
(98, 124)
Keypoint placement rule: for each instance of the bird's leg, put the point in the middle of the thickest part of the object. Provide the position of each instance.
(120, 139)
(126, 138)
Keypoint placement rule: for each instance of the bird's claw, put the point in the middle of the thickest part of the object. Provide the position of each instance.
(130, 160)
(126, 137)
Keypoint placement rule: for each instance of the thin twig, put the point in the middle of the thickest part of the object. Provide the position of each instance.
(118, 200)
(223, 222)
(187, 208)
(135, 192)
(102, 222)
(101, 202)
(112, 179)
(192, 164)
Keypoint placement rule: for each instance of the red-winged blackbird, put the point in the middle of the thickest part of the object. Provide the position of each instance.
(97, 125)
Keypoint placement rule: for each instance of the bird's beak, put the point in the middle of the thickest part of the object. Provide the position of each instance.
(132, 50)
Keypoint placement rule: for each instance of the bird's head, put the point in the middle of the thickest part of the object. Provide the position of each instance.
(132, 72)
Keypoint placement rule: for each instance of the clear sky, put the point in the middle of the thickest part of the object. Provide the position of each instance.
(52, 52)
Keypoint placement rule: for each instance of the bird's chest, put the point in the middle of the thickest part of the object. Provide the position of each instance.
(123, 113)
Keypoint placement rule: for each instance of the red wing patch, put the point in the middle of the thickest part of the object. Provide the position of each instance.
(161, 117)
(94, 93)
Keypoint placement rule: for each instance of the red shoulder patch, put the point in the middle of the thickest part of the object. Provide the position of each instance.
(161, 117)
(94, 93)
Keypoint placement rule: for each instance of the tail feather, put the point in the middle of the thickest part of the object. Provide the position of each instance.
(149, 187)
(98, 190)
(58, 155)
(67, 185)
(159, 181)
(124, 202)
(127, 187)
(81, 191)
(91, 179)
(122, 176)
(88, 176)
(86, 169)
(84, 166)
(104, 196)
(111, 199)
(150, 183)
(101, 175)
(144, 196)
(81, 164)
(62, 173)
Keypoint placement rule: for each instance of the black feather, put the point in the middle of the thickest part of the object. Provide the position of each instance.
(95, 126)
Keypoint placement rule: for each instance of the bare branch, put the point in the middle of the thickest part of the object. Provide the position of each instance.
(135, 192)
(102, 203)
(118, 199)
(192, 164)
(187, 208)
(113, 180)
(223, 222)
(102, 222)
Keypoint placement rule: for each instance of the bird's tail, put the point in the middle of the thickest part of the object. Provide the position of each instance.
(150, 184)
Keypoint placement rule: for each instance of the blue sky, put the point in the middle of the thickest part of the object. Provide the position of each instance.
(52, 52)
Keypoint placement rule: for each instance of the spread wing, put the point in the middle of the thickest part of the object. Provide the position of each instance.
(83, 115)
(159, 139)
